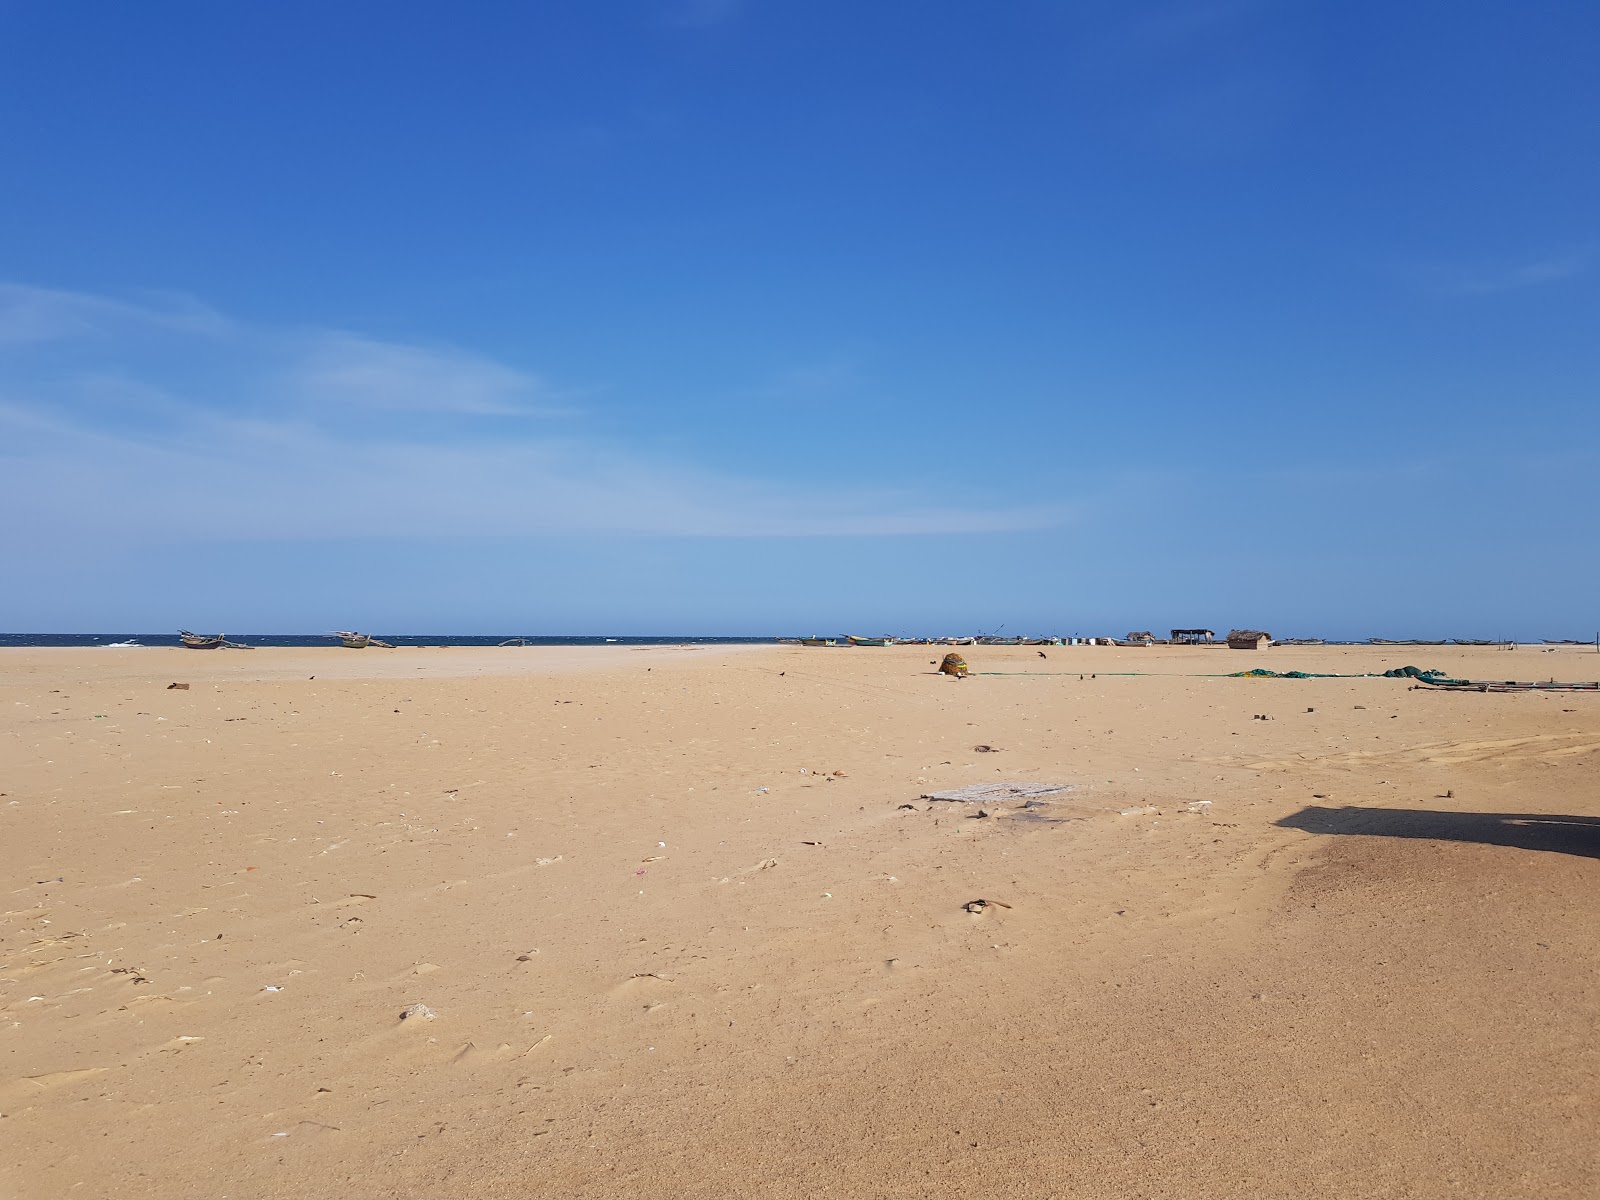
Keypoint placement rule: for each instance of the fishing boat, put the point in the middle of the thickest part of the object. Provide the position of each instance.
(866, 641)
(1301, 642)
(1511, 685)
(360, 641)
(1565, 642)
(816, 641)
(1477, 642)
(1404, 642)
(207, 641)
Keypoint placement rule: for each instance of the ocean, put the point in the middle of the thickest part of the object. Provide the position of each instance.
(397, 639)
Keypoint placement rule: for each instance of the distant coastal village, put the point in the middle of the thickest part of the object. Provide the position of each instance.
(1234, 639)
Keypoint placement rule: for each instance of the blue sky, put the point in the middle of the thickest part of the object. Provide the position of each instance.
(710, 316)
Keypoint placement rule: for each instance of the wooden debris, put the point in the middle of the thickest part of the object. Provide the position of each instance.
(997, 793)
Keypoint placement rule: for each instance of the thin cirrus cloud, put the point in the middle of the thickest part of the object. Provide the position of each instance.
(33, 315)
(1510, 276)
(111, 426)
(342, 368)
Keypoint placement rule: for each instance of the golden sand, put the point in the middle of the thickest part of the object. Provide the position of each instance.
(683, 927)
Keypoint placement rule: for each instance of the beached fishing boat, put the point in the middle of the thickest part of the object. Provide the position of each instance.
(207, 641)
(1566, 642)
(816, 641)
(360, 641)
(1511, 685)
(866, 641)
(1404, 642)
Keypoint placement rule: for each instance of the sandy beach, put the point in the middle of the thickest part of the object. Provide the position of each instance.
(682, 925)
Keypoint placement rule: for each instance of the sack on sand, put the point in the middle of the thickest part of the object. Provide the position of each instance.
(953, 664)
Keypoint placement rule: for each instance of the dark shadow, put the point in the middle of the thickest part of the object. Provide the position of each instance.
(1525, 831)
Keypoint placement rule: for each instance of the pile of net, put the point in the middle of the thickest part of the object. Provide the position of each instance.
(1434, 676)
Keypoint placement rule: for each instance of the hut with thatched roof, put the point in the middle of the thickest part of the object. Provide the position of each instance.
(1248, 639)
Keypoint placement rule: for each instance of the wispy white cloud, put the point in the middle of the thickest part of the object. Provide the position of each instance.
(1164, 27)
(343, 369)
(34, 314)
(274, 434)
(1195, 79)
(1489, 280)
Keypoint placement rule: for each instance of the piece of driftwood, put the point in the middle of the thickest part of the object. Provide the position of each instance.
(994, 793)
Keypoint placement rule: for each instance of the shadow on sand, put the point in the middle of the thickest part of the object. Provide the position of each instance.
(1526, 831)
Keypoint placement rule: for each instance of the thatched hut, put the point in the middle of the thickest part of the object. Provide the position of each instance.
(1192, 637)
(1248, 639)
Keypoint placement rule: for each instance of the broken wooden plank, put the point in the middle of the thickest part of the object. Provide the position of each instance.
(994, 793)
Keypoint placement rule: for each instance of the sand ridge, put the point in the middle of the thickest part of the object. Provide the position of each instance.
(687, 928)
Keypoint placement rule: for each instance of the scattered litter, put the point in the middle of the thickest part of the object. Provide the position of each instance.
(545, 862)
(1143, 810)
(761, 791)
(418, 1010)
(811, 843)
(1198, 806)
(977, 906)
(986, 749)
(996, 792)
(184, 687)
(766, 864)
(912, 807)
(528, 957)
(978, 816)
(271, 987)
